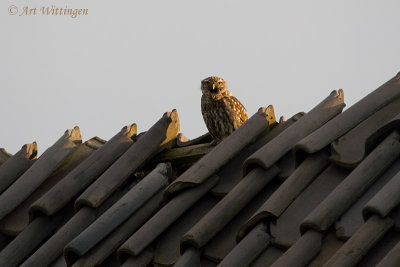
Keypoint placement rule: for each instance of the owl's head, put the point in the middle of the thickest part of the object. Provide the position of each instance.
(214, 86)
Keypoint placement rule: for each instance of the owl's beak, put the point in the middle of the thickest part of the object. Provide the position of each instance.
(213, 86)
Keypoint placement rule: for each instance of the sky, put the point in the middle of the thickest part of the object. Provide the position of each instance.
(130, 61)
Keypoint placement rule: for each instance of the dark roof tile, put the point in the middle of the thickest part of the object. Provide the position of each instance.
(39, 171)
(167, 251)
(139, 153)
(380, 249)
(248, 249)
(225, 151)
(59, 262)
(191, 257)
(73, 226)
(120, 211)
(385, 200)
(231, 173)
(269, 256)
(286, 164)
(226, 239)
(16, 165)
(207, 263)
(302, 252)
(358, 181)
(4, 156)
(29, 239)
(4, 240)
(16, 221)
(330, 244)
(109, 244)
(54, 246)
(290, 189)
(352, 116)
(361, 242)
(352, 219)
(80, 177)
(392, 259)
(165, 217)
(286, 228)
(284, 142)
(144, 259)
(228, 207)
(351, 148)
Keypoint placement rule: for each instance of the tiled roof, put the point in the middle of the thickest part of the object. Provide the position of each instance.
(319, 189)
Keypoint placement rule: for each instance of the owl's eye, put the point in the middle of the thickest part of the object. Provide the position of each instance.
(219, 83)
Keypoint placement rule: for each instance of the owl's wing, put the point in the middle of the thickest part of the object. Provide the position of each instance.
(240, 109)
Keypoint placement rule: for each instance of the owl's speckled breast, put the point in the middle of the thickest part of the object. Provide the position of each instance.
(219, 116)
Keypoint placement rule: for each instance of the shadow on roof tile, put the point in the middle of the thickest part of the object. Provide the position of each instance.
(53, 247)
(355, 184)
(207, 263)
(290, 189)
(16, 221)
(224, 151)
(228, 207)
(191, 257)
(226, 240)
(4, 240)
(108, 245)
(164, 218)
(4, 156)
(268, 257)
(352, 116)
(16, 165)
(285, 230)
(330, 244)
(33, 235)
(148, 187)
(59, 262)
(183, 155)
(136, 156)
(231, 173)
(381, 249)
(393, 124)
(302, 252)
(351, 148)
(352, 219)
(361, 242)
(392, 259)
(284, 142)
(39, 171)
(144, 259)
(248, 249)
(385, 200)
(167, 250)
(80, 177)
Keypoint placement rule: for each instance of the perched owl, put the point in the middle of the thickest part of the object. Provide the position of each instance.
(222, 112)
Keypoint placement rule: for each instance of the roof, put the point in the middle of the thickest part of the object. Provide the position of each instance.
(318, 189)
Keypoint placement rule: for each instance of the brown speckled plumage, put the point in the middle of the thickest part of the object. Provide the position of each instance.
(222, 112)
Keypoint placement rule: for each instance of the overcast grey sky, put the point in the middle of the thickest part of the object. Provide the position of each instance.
(131, 61)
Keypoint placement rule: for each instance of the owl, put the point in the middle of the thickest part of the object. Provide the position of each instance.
(222, 112)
